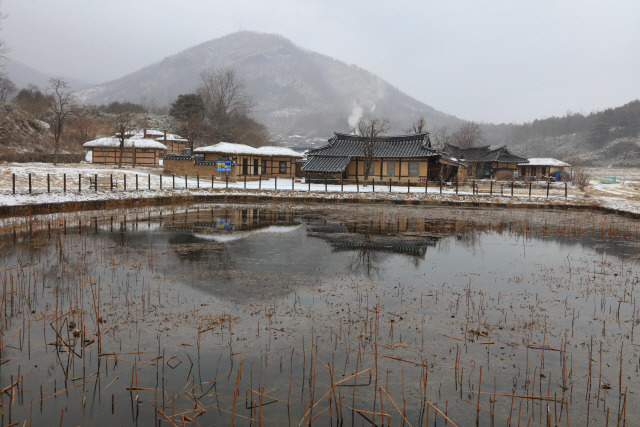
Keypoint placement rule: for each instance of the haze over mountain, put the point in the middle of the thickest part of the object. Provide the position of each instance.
(22, 75)
(297, 92)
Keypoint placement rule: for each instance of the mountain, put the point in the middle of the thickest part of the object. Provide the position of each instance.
(299, 94)
(22, 75)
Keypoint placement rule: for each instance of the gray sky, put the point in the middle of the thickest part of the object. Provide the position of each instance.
(491, 61)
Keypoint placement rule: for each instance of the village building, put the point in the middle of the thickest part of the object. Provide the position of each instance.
(235, 161)
(544, 167)
(136, 151)
(400, 158)
(487, 162)
(174, 143)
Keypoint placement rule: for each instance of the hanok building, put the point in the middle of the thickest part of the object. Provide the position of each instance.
(486, 162)
(540, 167)
(239, 160)
(396, 158)
(136, 151)
(174, 143)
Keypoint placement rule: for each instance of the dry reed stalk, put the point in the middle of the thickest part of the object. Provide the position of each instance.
(444, 415)
(235, 393)
(394, 405)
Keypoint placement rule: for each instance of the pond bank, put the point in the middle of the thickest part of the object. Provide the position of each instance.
(174, 198)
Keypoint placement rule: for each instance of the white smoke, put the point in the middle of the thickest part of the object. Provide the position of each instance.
(354, 118)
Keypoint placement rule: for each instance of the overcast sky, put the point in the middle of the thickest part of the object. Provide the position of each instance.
(489, 61)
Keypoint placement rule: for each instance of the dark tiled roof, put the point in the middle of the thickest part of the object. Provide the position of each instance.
(335, 156)
(483, 154)
(326, 164)
(416, 145)
(177, 157)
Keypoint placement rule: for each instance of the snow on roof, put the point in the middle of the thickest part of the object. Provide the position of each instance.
(278, 151)
(227, 147)
(231, 148)
(115, 142)
(172, 137)
(545, 161)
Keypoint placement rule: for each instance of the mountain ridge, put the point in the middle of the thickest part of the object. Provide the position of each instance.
(297, 91)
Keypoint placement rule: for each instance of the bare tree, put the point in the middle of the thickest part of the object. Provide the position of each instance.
(3, 47)
(225, 100)
(419, 126)
(189, 111)
(370, 131)
(61, 106)
(7, 88)
(469, 135)
(124, 125)
(439, 137)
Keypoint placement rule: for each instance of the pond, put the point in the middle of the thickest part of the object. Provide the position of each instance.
(305, 314)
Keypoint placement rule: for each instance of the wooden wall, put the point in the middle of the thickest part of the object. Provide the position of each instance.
(143, 156)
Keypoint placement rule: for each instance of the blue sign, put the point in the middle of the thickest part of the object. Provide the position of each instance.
(223, 166)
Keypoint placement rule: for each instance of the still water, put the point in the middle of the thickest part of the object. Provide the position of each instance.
(263, 314)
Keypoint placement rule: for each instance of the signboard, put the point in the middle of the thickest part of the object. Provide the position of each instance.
(223, 166)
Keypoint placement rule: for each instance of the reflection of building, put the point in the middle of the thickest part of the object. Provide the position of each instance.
(221, 220)
(235, 160)
(340, 237)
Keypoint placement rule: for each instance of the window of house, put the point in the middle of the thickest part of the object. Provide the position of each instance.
(414, 168)
(391, 168)
(283, 167)
(533, 171)
(264, 167)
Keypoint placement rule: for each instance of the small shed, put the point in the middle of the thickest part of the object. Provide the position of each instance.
(135, 152)
(542, 167)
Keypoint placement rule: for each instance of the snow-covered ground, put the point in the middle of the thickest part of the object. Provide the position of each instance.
(623, 195)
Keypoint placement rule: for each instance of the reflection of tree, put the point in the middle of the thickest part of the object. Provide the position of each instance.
(364, 260)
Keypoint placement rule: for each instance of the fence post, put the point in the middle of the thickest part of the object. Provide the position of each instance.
(548, 185)
(276, 184)
(456, 186)
(212, 179)
(259, 182)
(124, 181)
(490, 188)
(565, 189)
(79, 183)
(186, 185)
(173, 181)
(408, 185)
(160, 182)
(292, 184)
(389, 185)
(309, 184)
(13, 180)
(325, 184)
(64, 183)
(529, 189)
(342, 184)
(473, 187)
(198, 180)
(111, 181)
(48, 183)
(95, 181)
(373, 184)
(245, 182)
(440, 186)
(227, 180)
(511, 188)
(136, 182)
(426, 186)
(29, 183)
(149, 181)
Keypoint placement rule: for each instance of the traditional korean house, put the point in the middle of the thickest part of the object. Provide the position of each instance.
(136, 151)
(235, 160)
(486, 162)
(397, 158)
(539, 167)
